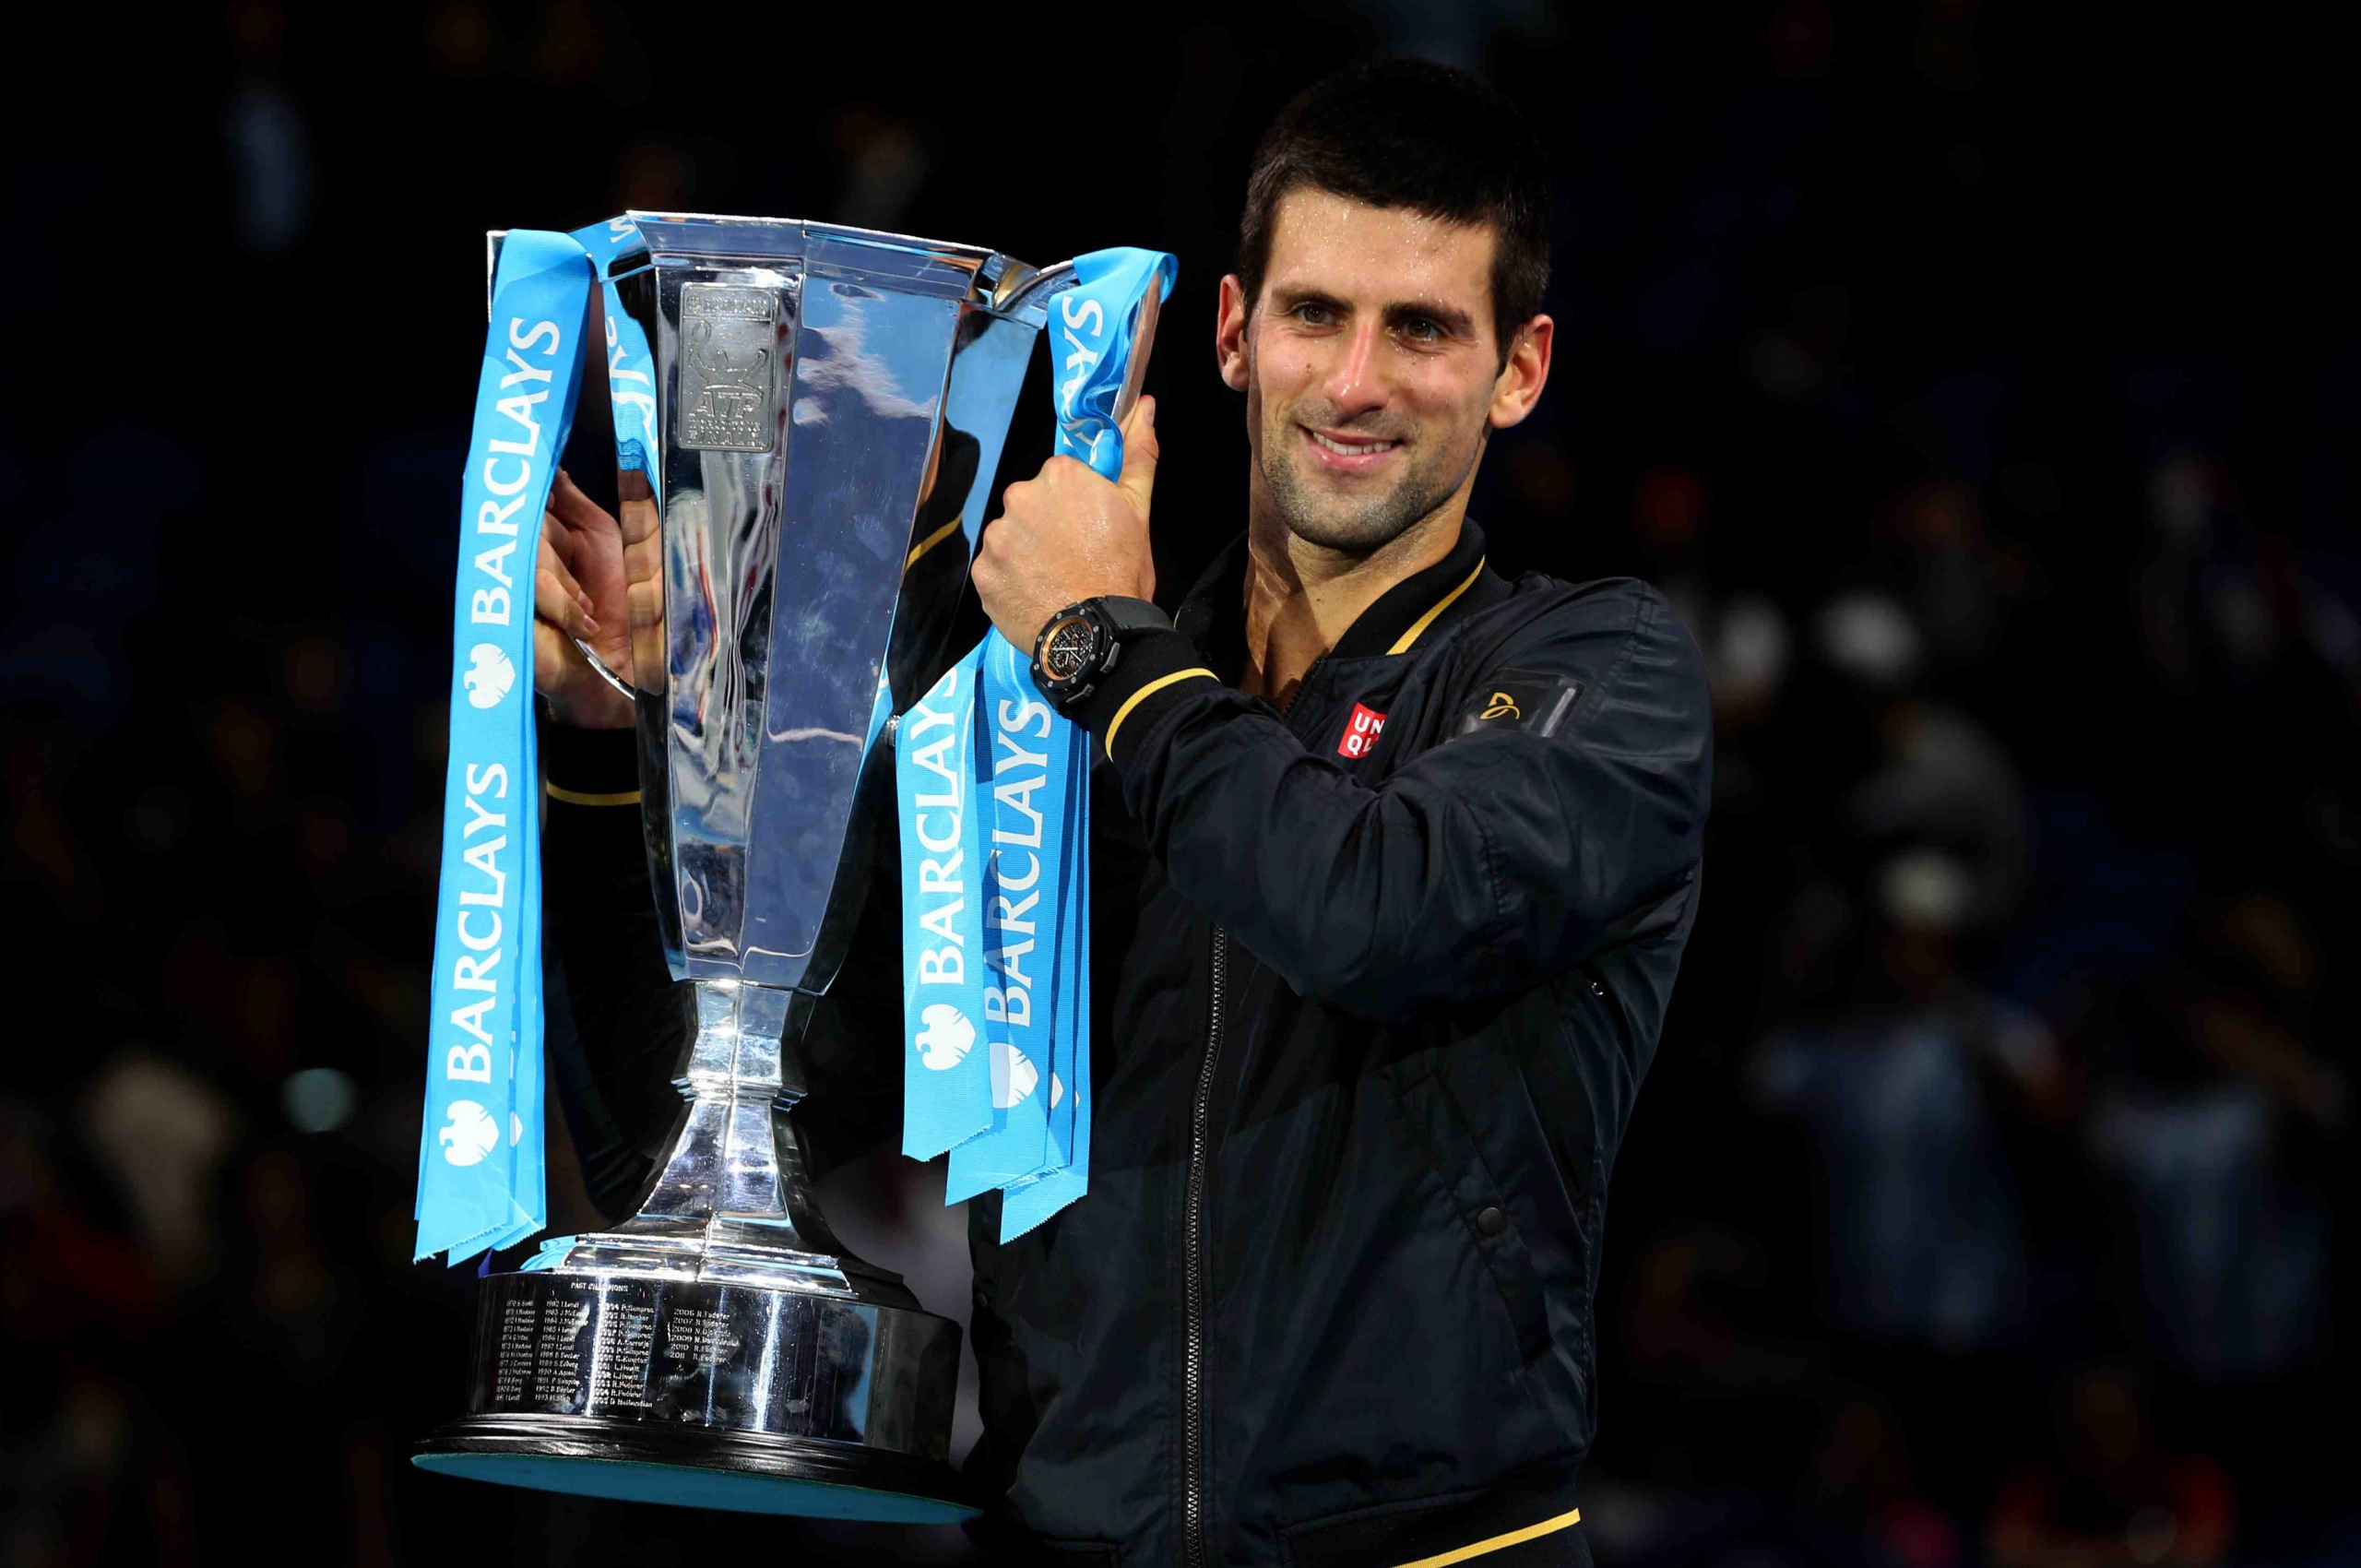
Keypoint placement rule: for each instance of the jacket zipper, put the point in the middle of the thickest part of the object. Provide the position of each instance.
(1194, 1504)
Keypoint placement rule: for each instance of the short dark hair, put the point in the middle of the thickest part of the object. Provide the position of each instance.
(1411, 134)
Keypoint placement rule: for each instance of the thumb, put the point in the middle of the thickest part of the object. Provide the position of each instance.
(1138, 478)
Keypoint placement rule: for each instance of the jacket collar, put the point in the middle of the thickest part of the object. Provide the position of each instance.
(1214, 613)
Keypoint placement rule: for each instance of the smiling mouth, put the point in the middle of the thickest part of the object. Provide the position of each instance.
(1350, 448)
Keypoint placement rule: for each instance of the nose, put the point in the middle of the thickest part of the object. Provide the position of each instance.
(1352, 383)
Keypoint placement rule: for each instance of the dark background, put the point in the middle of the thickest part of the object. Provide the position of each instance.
(1981, 383)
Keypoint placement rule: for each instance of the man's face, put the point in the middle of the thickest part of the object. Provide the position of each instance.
(1372, 370)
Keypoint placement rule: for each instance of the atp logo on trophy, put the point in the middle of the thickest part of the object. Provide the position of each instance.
(729, 349)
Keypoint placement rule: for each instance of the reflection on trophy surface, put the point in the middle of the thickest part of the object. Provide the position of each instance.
(821, 393)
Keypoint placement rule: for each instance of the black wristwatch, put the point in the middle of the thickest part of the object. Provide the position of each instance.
(1080, 645)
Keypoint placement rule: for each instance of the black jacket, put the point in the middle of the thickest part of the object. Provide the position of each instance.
(1379, 979)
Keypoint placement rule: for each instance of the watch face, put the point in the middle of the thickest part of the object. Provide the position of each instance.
(1067, 647)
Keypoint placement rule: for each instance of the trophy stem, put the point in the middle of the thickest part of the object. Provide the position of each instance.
(733, 1202)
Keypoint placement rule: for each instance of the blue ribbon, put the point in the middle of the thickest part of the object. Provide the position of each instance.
(1025, 891)
(480, 1183)
(1015, 1114)
(1093, 328)
(631, 369)
(1067, 1175)
(947, 1084)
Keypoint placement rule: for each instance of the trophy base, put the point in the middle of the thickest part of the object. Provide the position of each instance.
(717, 1393)
(741, 1473)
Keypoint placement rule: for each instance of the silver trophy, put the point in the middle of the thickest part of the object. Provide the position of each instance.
(830, 405)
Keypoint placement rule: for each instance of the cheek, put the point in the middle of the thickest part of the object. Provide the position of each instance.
(1446, 400)
(1280, 370)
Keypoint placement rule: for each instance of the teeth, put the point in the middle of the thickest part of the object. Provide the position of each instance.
(1362, 450)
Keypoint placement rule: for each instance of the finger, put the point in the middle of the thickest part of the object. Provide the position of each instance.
(639, 522)
(568, 544)
(647, 635)
(643, 575)
(550, 563)
(575, 509)
(646, 606)
(643, 559)
(1140, 452)
(558, 598)
(554, 604)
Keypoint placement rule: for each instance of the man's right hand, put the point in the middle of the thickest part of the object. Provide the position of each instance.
(601, 580)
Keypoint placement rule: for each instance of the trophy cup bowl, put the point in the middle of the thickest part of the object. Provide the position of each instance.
(721, 1348)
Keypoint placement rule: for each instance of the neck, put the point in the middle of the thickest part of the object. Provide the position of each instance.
(1301, 597)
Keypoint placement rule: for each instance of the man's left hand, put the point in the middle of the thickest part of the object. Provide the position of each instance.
(1067, 535)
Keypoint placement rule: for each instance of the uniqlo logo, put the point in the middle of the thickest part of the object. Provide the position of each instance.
(1360, 735)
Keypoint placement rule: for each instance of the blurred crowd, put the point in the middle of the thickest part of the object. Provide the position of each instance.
(2002, 1229)
(1981, 1206)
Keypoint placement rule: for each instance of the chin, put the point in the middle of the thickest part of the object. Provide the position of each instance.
(1353, 524)
(1354, 534)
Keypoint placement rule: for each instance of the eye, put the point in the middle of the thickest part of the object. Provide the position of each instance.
(1419, 329)
(1311, 313)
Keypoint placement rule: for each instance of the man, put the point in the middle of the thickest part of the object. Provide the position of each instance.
(1421, 851)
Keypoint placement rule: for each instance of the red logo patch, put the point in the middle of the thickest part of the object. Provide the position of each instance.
(1360, 735)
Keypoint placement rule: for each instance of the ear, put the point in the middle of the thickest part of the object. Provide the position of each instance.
(1519, 384)
(1229, 333)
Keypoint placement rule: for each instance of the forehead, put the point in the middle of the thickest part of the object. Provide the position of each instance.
(1377, 256)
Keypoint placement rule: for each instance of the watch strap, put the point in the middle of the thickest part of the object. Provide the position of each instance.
(1129, 617)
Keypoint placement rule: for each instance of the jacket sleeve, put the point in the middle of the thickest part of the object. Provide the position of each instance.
(1492, 861)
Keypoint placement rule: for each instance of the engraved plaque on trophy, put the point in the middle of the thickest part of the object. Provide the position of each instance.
(728, 343)
(721, 1348)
